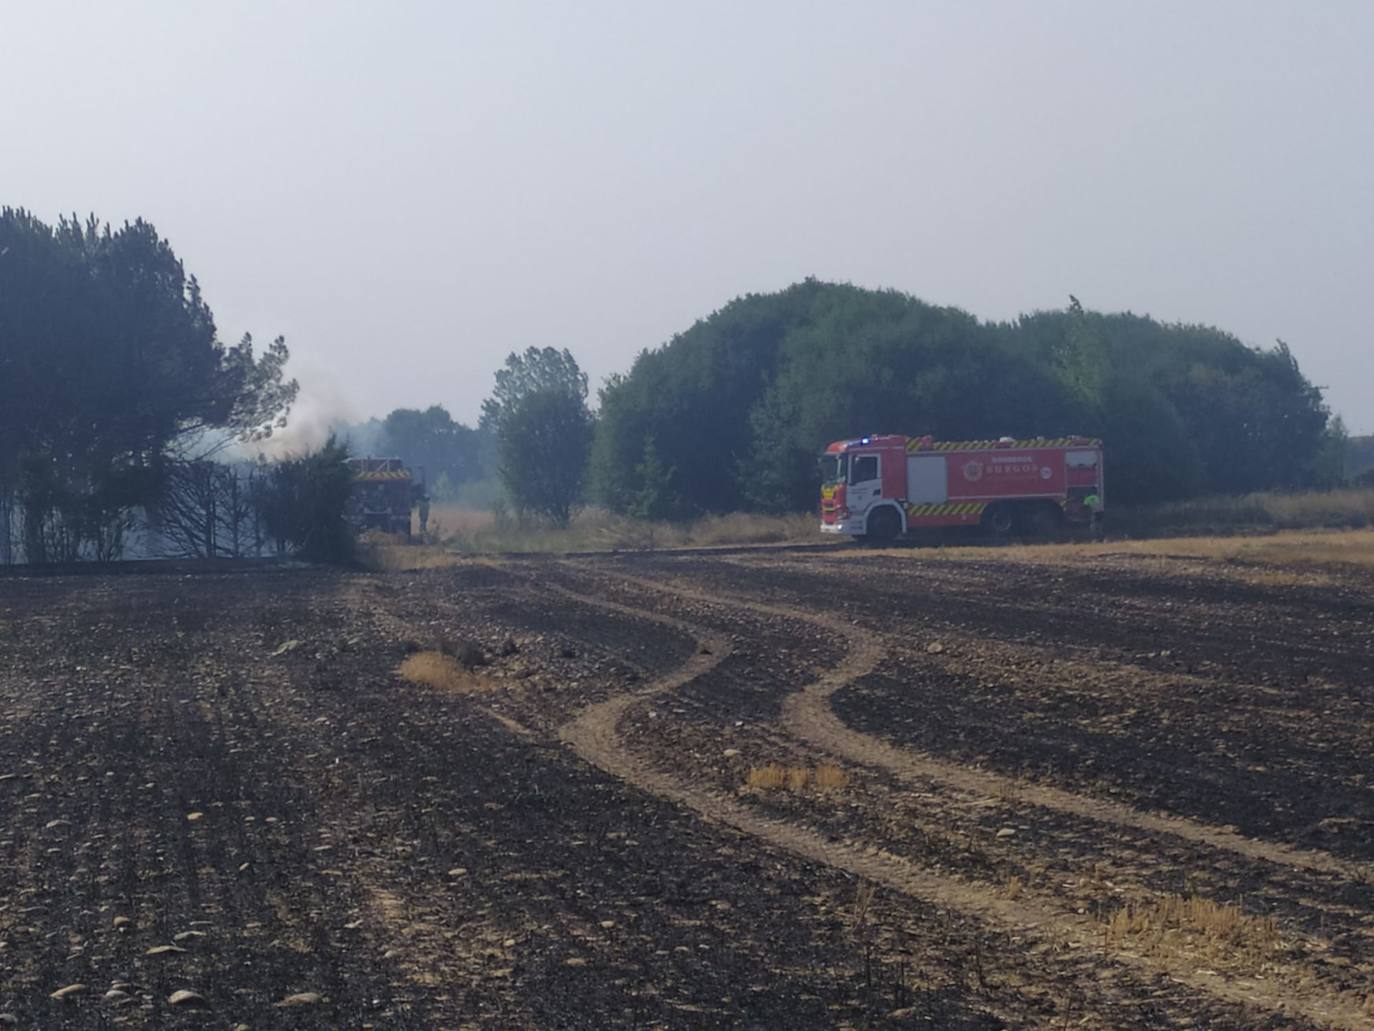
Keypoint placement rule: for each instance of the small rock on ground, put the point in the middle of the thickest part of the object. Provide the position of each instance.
(301, 999)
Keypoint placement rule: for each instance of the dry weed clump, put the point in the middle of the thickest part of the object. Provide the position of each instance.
(829, 777)
(767, 778)
(772, 777)
(1176, 923)
(442, 672)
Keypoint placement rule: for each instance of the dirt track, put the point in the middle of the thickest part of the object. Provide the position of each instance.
(566, 839)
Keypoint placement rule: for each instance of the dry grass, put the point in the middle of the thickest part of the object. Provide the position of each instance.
(1313, 547)
(456, 532)
(1331, 547)
(828, 777)
(767, 778)
(1348, 508)
(447, 519)
(1191, 924)
(473, 531)
(1288, 548)
(442, 672)
(772, 777)
(598, 530)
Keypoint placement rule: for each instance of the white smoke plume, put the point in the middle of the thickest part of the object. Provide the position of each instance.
(320, 409)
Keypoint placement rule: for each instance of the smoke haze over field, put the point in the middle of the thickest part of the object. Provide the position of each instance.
(410, 191)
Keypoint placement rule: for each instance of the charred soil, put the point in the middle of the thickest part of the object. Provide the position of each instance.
(223, 784)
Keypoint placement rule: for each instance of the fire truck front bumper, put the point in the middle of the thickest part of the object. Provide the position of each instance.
(849, 526)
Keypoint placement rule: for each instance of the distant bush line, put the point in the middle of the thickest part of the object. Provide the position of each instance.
(730, 414)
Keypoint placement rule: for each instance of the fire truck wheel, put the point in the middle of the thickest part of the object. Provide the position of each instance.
(883, 526)
(999, 521)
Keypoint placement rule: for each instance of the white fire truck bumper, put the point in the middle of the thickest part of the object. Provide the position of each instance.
(849, 526)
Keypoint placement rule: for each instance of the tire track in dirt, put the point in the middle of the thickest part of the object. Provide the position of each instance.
(595, 727)
(594, 736)
(808, 716)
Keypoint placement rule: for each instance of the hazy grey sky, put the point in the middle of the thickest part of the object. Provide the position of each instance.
(408, 191)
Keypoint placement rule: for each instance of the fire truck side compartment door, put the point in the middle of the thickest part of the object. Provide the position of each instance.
(927, 481)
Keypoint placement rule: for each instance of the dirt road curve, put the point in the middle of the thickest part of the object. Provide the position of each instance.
(859, 791)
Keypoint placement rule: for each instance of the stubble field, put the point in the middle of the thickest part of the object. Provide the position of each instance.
(762, 790)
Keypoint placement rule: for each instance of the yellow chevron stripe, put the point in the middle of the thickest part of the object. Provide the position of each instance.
(380, 475)
(980, 445)
(948, 508)
(944, 509)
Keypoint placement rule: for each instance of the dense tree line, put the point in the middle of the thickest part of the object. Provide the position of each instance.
(731, 413)
(115, 389)
(111, 373)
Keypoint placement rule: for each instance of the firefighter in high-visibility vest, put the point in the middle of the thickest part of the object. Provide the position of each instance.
(1093, 503)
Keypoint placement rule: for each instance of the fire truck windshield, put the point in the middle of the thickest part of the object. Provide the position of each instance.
(834, 468)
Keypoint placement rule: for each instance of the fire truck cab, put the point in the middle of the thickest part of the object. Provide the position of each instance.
(883, 487)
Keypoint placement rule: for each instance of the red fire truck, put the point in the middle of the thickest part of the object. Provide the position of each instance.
(883, 487)
(384, 491)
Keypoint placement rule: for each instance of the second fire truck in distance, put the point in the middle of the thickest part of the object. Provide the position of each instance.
(384, 492)
(884, 487)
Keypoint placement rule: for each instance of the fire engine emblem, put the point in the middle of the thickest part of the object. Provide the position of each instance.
(1046, 472)
(973, 471)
